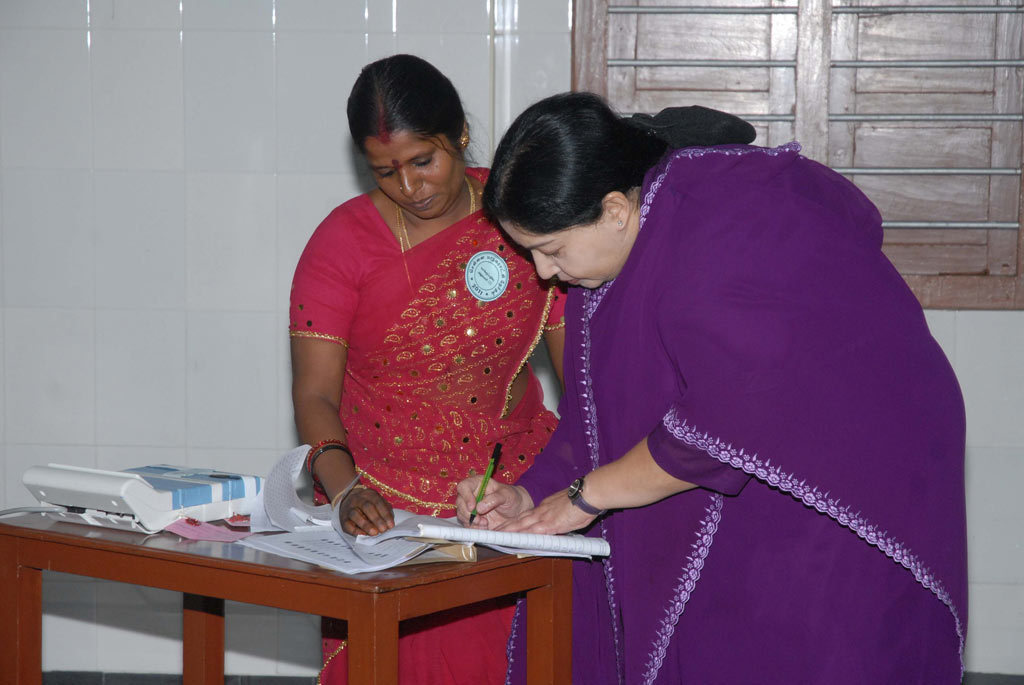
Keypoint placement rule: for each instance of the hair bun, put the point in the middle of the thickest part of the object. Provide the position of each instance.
(693, 126)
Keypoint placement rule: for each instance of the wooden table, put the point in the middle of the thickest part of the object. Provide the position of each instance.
(208, 573)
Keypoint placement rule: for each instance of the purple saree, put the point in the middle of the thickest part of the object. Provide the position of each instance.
(770, 353)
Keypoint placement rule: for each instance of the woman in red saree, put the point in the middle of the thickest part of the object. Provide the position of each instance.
(412, 318)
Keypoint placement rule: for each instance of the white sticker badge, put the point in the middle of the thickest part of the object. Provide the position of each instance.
(486, 276)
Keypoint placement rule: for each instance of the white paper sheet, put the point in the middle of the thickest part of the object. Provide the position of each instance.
(332, 548)
(278, 506)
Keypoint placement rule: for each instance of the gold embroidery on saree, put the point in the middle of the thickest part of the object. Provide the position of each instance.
(319, 336)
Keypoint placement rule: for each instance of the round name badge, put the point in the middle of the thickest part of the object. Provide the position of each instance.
(486, 276)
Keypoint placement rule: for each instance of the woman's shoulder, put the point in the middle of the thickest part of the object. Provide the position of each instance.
(701, 164)
(698, 210)
(351, 221)
(350, 229)
(353, 213)
(764, 190)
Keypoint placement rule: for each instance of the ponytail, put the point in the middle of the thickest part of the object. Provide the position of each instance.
(562, 155)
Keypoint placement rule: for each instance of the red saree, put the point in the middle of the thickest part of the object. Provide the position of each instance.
(427, 390)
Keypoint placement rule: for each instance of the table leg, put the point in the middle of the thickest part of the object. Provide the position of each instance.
(373, 641)
(202, 640)
(21, 628)
(549, 628)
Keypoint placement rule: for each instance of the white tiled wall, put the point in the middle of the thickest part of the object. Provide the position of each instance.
(985, 350)
(162, 163)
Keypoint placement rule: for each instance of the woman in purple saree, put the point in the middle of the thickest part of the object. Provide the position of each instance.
(766, 432)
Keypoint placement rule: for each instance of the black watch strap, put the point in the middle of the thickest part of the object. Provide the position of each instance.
(576, 497)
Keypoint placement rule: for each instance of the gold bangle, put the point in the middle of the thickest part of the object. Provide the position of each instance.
(341, 495)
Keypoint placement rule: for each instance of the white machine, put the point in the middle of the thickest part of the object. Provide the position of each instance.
(146, 499)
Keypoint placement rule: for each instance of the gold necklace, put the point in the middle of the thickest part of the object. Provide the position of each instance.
(472, 196)
(403, 234)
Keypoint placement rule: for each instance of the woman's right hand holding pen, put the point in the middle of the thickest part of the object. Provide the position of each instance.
(501, 502)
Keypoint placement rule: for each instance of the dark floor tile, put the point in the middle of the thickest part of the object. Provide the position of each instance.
(94, 678)
(141, 679)
(72, 678)
(992, 679)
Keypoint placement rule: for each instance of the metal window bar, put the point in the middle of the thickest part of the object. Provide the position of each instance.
(930, 171)
(926, 117)
(879, 9)
(925, 63)
(624, 62)
(675, 9)
(925, 9)
(960, 225)
(883, 117)
(936, 9)
(838, 64)
(767, 117)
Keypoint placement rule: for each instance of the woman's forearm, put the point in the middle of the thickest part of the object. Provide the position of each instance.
(633, 480)
(318, 374)
(317, 419)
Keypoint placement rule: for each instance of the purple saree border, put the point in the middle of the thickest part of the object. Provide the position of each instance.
(592, 298)
(814, 498)
(693, 152)
(687, 582)
(510, 645)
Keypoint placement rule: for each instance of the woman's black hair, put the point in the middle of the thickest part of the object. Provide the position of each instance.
(561, 156)
(404, 93)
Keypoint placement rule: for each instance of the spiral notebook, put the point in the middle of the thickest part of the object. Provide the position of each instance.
(430, 528)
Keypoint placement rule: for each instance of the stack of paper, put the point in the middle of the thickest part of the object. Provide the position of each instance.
(314, 534)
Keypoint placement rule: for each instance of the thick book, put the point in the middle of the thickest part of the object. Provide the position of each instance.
(432, 529)
(324, 547)
(415, 539)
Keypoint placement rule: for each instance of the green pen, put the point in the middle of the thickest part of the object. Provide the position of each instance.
(487, 476)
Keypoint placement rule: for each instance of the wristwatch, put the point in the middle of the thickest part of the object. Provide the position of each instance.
(576, 497)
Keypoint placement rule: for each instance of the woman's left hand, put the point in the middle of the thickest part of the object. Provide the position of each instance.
(555, 514)
(364, 512)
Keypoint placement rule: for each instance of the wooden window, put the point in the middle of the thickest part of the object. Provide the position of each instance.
(919, 104)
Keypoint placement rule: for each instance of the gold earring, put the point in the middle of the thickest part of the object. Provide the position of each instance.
(464, 139)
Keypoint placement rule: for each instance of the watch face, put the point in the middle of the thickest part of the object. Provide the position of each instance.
(574, 489)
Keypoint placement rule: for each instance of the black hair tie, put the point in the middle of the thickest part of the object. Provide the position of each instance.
(693, 126)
